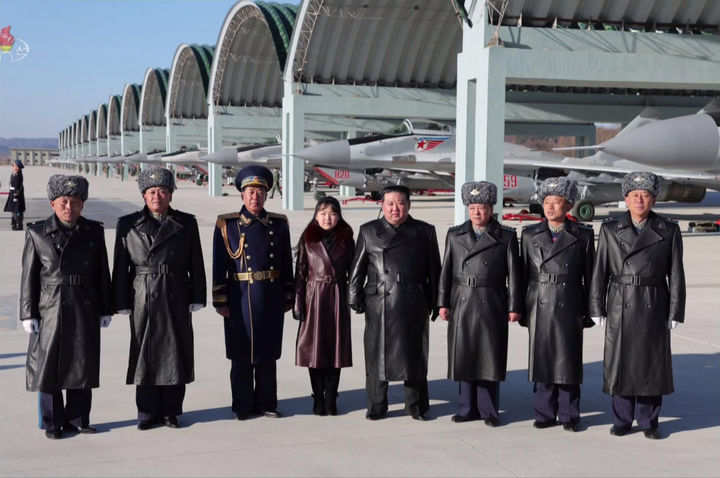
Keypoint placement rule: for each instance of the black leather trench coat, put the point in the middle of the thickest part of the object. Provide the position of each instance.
(480, 284)
(557, 286)
(15, 202)
(157, 272)
(395, 276)
(324, 337)
(639, 285)
(67, 292)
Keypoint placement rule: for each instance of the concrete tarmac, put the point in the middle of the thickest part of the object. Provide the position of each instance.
(212, 443)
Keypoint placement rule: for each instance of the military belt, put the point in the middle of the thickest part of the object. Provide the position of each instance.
(400, 277)
(636, 280)
(154, 269)
(473, 281)
(553, 278)
(324, 279)
(257, 275)
(73, 279)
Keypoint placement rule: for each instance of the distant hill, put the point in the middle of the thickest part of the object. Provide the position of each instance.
(7, 143)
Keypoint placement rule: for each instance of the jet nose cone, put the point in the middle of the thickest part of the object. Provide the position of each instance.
(686, 142)
(224, 156)
(332, 153)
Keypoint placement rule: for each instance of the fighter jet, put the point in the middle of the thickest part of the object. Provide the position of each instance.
(431, 149)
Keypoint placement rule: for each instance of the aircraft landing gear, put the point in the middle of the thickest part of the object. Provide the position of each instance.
(584, 211)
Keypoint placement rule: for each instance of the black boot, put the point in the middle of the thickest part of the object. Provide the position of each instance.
(19, 223)
(13, 224)
(316, 382)
(332, 381)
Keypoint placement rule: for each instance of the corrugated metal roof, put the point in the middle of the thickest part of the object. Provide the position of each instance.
(130, 106)
(102, 121)
(409, 43)
(252, 50)
(153, 97)
(113, 115)
(662, 15)
(189, 80)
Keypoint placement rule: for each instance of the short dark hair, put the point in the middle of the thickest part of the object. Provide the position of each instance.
(395, 188)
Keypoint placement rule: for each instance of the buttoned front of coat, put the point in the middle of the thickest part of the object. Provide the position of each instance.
(557, 286)
(480, 284)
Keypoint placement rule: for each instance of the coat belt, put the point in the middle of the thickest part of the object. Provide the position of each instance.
(473, 281)
(153, 269)
(257, 275)
(544, 278)
(637, 280)
(326, 279)
(72, 279)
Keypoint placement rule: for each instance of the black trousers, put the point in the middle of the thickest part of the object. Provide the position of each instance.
(479, 398)
(16, 221)
(324, 381)
(254, 386)
(645, 408)
(556, 400)
(416, 396)
(76, 409)
(155, 401)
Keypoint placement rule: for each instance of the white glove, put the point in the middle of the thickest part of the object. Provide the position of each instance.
(105, 320)
(195, 307)
(123, 312)
(30, 326)
(600, 321)
(672, 324)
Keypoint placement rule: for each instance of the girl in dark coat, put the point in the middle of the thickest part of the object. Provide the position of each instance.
(325, 251)
(16, 197)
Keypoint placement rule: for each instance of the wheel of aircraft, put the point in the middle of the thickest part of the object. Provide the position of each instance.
(584, 211)
(320, 195)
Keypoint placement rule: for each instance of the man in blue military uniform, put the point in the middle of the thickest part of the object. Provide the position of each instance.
(252, 290)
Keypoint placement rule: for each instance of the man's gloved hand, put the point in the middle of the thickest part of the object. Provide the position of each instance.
(672, 324)
(123, 312)
(105, 320)
(195, 307)
(599, 321)
(30, 326)
(298, 316)
(358, 308)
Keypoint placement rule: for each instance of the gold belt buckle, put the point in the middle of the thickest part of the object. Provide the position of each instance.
(258, 275)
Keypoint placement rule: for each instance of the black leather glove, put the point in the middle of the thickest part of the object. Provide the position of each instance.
(358, 308)
(588, 322)
(300, 317)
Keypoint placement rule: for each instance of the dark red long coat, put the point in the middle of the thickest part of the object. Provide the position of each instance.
(321, 296)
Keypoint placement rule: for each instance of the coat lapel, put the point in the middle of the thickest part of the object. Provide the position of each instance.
(543, 239)
(406, 232)
(467, 237)
(168, 228)
(486, 239)
(566, 238)
(648, 236)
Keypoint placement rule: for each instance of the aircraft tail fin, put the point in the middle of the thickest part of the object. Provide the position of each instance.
(712, 107)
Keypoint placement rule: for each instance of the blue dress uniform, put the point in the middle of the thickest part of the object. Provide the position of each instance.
(252, 275)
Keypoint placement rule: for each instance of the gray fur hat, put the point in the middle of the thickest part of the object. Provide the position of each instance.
(479, 192)
(641, 180)
(560, 186)
(156, 177)
(64, 185)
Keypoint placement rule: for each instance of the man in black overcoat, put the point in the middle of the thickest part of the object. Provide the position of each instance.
(638, 292)
(557, 256)
(64, 300)
(253, 287)
(393, 280)
(479, 294)
(15, 202)
(159, 279)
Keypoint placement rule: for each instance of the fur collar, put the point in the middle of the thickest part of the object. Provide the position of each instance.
(314, 233)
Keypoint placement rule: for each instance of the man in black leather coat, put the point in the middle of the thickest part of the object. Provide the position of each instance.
(393, 279)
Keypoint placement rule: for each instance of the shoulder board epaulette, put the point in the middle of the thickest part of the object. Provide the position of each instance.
(671, 221)
(275, 215)
(455, 228)
(584, 226)
(94, 222)
(611, 219)
(36, 223)
(224, 217)
(507, 228)
(530, 225)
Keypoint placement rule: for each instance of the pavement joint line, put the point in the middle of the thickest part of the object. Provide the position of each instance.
(680, 336)
(488, 457)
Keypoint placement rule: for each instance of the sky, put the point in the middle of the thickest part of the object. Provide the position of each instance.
(83, 51)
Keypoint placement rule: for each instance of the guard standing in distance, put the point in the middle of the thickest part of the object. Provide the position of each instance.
(394, 280)
(557, 259)
(252, 289)
(15, 203)
(638, 290)
(275, 183)
(159, 279)
(65, 298)
(479, 294)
